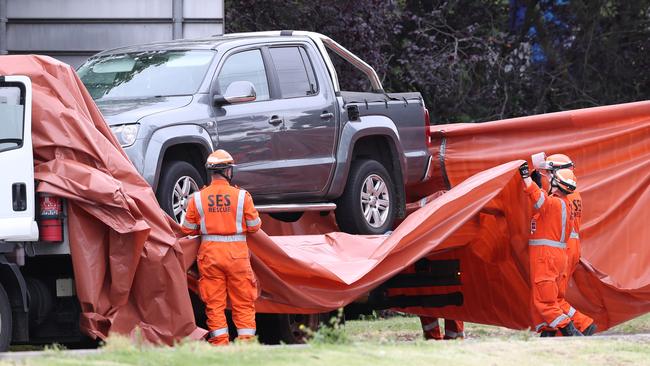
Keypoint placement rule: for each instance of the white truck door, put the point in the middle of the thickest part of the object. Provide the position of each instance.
(16, 161)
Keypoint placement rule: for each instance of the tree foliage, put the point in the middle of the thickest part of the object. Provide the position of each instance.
(479, 60)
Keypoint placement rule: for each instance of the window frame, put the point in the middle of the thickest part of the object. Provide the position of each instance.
(214, 85)
(305, 49)
(23, 101)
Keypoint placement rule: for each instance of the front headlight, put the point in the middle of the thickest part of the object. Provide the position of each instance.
(126, 134)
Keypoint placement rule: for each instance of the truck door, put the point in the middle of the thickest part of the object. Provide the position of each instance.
(306, 146)
(16, 161)
(247, 130)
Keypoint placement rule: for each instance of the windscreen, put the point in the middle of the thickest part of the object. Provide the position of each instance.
(12, 112)
(145, 74)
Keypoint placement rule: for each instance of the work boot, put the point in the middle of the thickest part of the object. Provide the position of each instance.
(570, 331)
(590, 330)
(547, 333)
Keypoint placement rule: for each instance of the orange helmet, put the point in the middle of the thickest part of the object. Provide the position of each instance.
(218, 160)
(558, 161)
(565, 180)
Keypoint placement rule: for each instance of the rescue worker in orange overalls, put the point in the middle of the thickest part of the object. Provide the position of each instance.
(223, 215)
(583, 322)
(454, 329)
(550, 229)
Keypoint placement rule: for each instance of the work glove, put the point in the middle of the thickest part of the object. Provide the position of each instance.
(523, 170)
(536, 177)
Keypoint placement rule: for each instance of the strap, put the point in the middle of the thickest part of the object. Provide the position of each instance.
(240, 210)
(246, 331)
(199, 207)
(217, 332)
(550, 243)
(189, 225)
(430, 326)
(571, 312)
(563, 237)
(252, 223)
(540, 201)
(557, 320)
(223, 238)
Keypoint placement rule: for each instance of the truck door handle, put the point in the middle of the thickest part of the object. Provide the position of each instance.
(275, 120)
(327, 115)
(19, 196)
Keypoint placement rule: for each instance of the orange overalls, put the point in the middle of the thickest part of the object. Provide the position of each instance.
(454, 329)
(550, 229)
(580, 320)
(223, 214)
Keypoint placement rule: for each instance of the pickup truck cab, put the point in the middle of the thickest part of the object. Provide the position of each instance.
(273, 100)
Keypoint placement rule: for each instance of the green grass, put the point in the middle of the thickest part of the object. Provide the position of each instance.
(395, 341)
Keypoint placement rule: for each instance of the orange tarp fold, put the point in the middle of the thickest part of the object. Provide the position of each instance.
(130, 259)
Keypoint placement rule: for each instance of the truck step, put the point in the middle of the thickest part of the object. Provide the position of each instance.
(296, 207)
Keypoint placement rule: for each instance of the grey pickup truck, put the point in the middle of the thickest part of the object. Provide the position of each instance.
(272, 99)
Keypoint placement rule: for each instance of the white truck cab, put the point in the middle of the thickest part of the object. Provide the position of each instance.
(38, 304)
(17, 206)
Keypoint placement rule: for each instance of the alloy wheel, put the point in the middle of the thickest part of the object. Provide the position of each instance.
(183, 188)
(375, 200)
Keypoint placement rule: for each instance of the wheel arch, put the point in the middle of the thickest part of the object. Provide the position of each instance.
(365, 140)
(176, 142)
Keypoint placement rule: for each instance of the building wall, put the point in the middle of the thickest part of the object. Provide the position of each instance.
(72, 30)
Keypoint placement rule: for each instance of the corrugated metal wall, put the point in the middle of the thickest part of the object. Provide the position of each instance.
(72, 30)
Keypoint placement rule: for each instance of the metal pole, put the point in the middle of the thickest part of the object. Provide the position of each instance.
(223, 17)
(177, 14)
(3, 27)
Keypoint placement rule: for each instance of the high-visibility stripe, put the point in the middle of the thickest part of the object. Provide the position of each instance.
(540, 201)
(240, 210)
(574, 235)
(251, 223)
(540, 326)
(217, 332)
(571, 312)
(452, 334)
(199, 207)
(224, 238)
(557, 320)
(246, 331)
(189, 225)
(550, 243)
(562, 238)
(430, 326)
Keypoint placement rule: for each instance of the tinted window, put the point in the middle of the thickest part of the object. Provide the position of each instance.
(145, 74)
(245, 66)
(11, 118)
(292, 67)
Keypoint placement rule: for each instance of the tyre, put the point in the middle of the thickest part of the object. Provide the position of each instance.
(367, 205)
(178, 180)
(288, 328)
(6, 320)
(287, 216)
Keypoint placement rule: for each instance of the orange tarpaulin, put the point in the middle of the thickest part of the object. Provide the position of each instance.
(128, 263)
(130, 267)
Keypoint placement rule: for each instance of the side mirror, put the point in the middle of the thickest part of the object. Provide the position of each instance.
(237, 92)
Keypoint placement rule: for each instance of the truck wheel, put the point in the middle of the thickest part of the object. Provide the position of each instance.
(6, 320)
(367, 205)
(179, 179)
